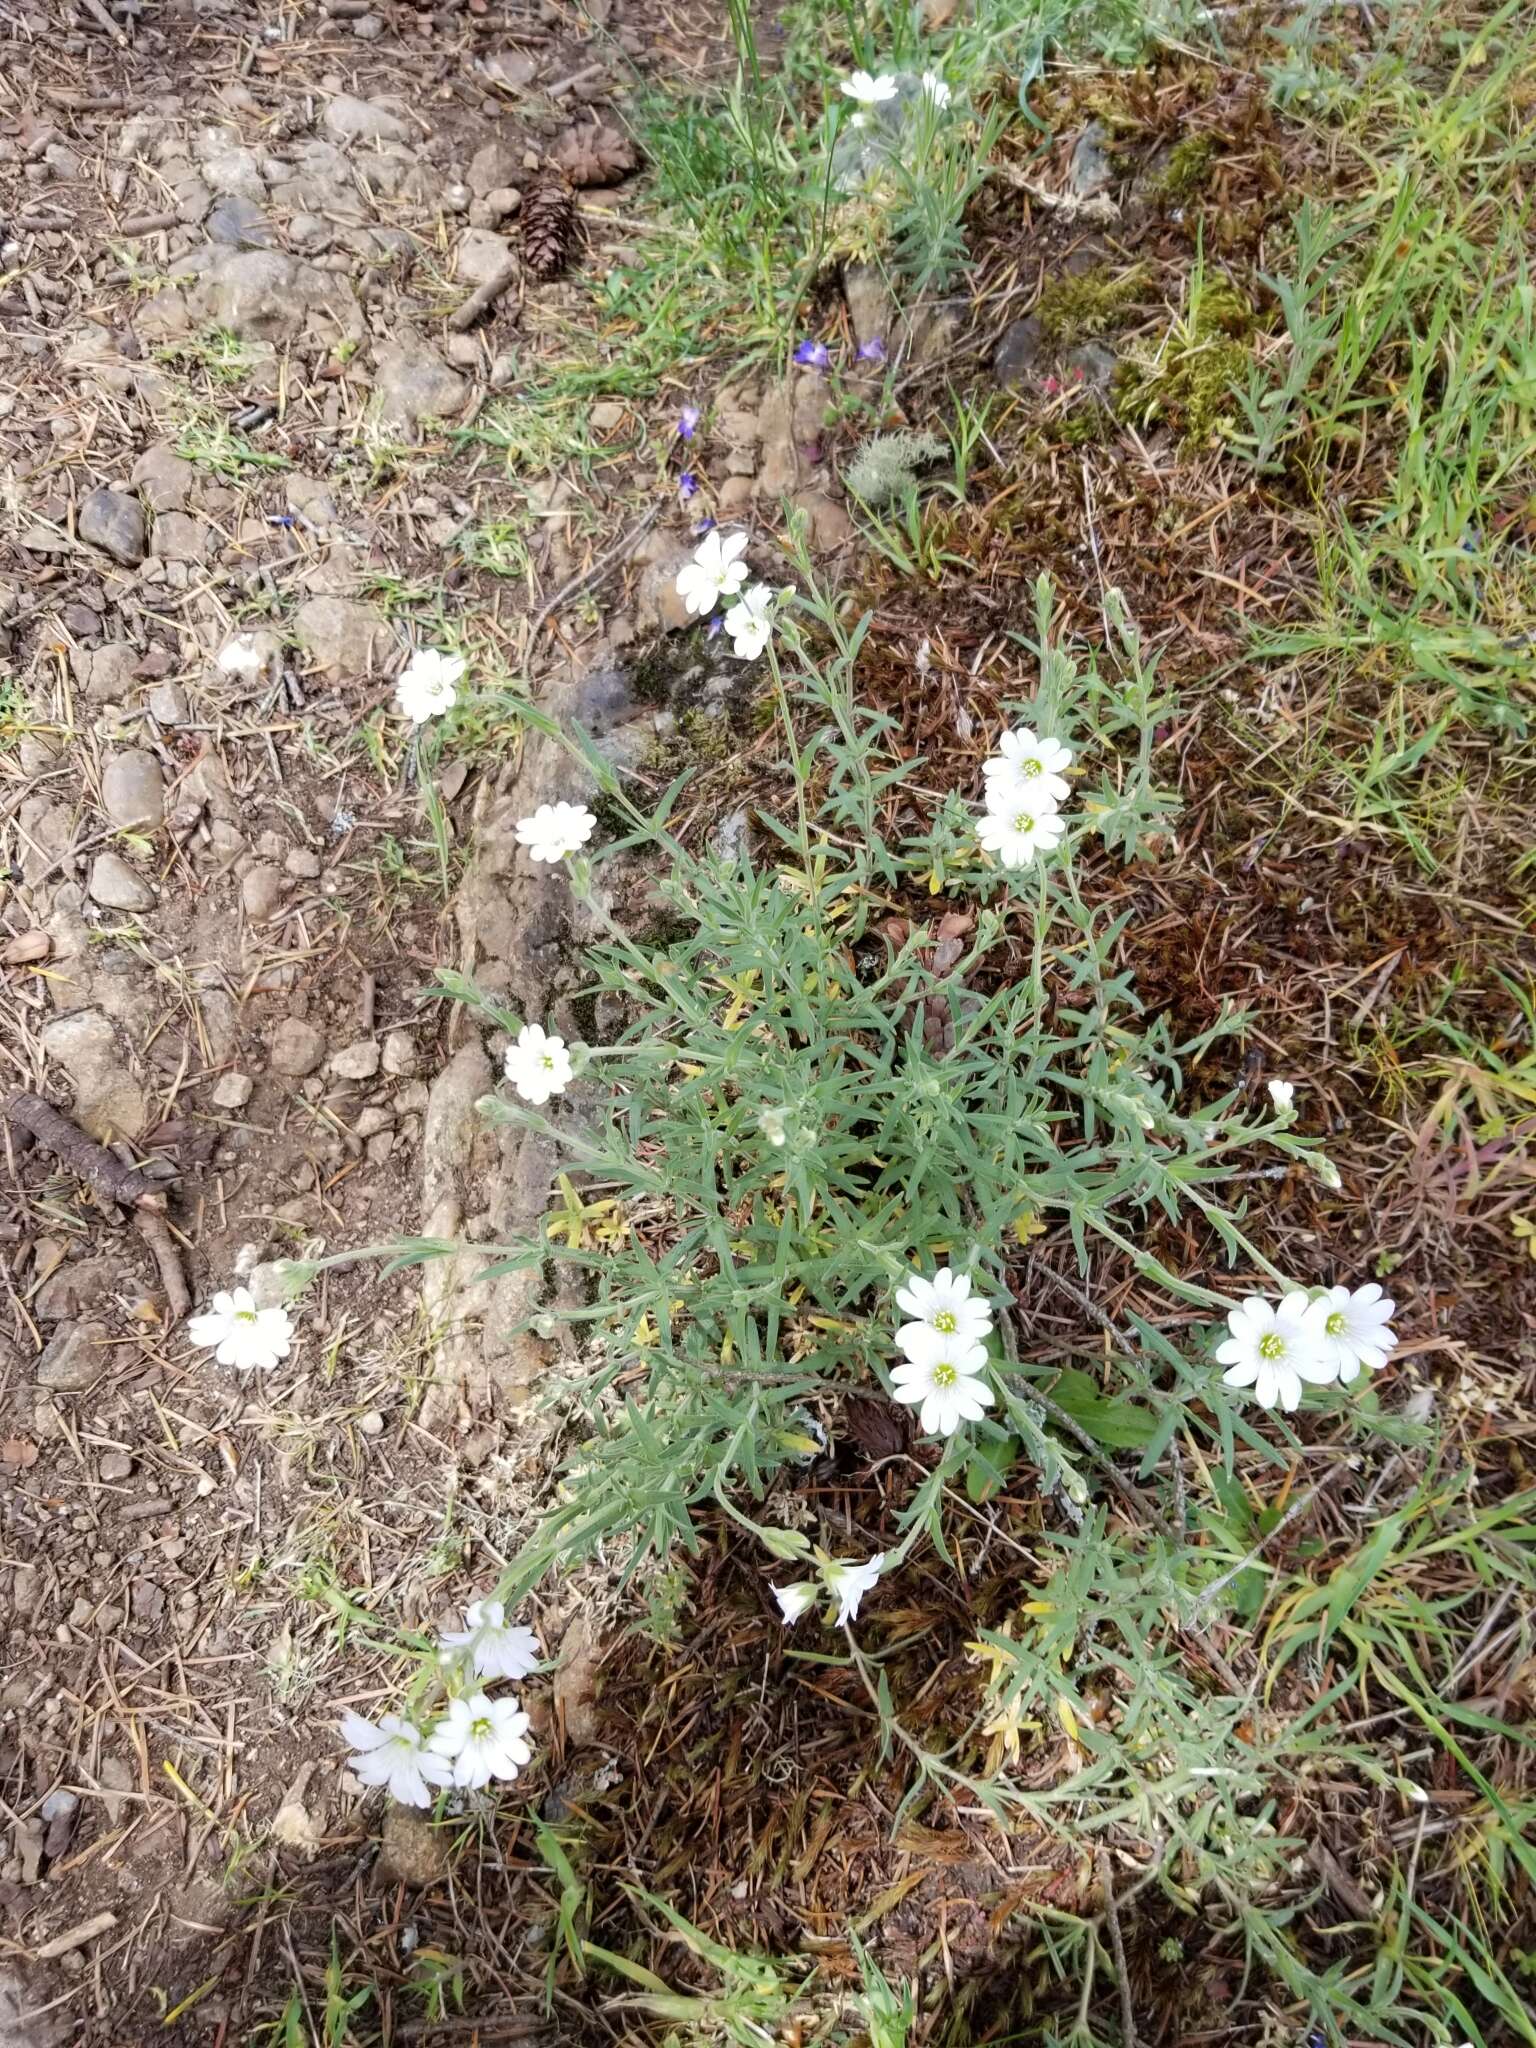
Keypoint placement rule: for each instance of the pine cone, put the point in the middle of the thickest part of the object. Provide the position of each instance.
(595, 154)
(549, 218)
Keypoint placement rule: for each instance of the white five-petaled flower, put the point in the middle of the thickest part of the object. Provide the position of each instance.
(868, 91)
(1017, 834)
(942, 1309)
(394, 1755)
(936, 89)
(716, 571)
(795, 1600)
(555, 830)
(1282, 1094)
(942, 1379)
(1273, 1348)
(750, 622)
(848, 1582)
(495, 1647)
(428, 684)
(1027, 767)
(482, 1739)
(248, 1337)
(538, 1065)
(242, 655)
(1354, 1329)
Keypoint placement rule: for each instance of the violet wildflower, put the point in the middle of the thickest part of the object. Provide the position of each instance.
(814, 355)
(688, 422)
(687, 486)
(872, 351)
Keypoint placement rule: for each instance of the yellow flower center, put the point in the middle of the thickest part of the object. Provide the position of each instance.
(1336, 1325)
(480, 1729)
(944, 1374)
(1272, 1346)
(1029, 767)
(245, 1315)
(944, 1322)
(1023, 822)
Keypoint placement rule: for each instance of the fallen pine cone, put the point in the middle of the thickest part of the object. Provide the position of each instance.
(595, 155)
(548, 221)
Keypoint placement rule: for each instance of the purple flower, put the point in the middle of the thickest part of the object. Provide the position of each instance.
(704, 526)
(688, 420)
(872, 351)
(713, 630)
(814, 355)
(687, 485)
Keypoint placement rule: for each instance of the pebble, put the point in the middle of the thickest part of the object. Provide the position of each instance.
(232, 1091)
(368, 28)
(358, 1062)
(261, 892)
(116, 1466)
(114, 522)
(371, 1122)
(607, 415)
(303, 863)
(115, 886)
(297, 1047)
(74, 1360)
(133, 791)
(371, 1424)
(399, 1053)
(168, 705)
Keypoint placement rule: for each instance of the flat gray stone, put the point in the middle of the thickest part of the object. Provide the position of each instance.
(341, 635)
(133, 791)
(261, 892)
(297, 1048)
(115, 886)
(232, 1091)
(358, 1062)
(352, 120)
(106, 674)
(74, 1360)
(163, 478)
(113, 522)
(411, 383)
(108, 1101)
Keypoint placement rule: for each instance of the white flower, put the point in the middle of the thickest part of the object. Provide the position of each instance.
(774, 1124)
(555, 830)
(244, 655)
(794, 1600)
(248, 1337)
(867, 91)
(936, 89)
(1282, 1094)
(495, 1648)
(942, 1307)
(1027, 766)
(714, 572)
(941, 1379)
(482, 1739)
(1273, 1348)
(392, 1754)
(848, 1582)
(427, 684)
(1017, 834)
(1352, 1330)
(538, 1066)
(750, 622)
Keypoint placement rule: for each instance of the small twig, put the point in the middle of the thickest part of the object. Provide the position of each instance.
(1122, 1975)
(589, 579)
(484, 296)
(156, 1233)
(100, 16)
(1099, 208)
(145, 224)
(129, 1185)
(75, 1937)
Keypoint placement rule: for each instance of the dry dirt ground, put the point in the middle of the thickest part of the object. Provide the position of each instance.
(232, 235)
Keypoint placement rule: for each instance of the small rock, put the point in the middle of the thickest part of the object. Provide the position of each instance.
(352, 120)
(180, 538)
(1090, 170)
(107, 673)
(59, 1812)
(116, 1780)
(829, 523)
(492, 167)
(607, 415)
(77, 1286)
(341, 635)
(412, 383)
(133, 791)
(168, 706)
(481, 256)
(261, 892)
(368, 28)
(503, 372)
(371, 1424)
(413, 1851)
(502, 203)
(734, 494)
(74, 1360)
(232, 1091)
(399, 1052)
(115, 1467)
(379, 1148)
(303, 863)
(297, 1047)
(108, 1101)
(163, 478)
(1019, 351)
(358, 1062)
(371, 1122)
(115, 886)
(114, 522)
(239, 223)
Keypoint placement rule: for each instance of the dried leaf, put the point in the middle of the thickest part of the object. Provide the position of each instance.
(26, 948)
(19, 1453)
(879, 1430)
(595, 154)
